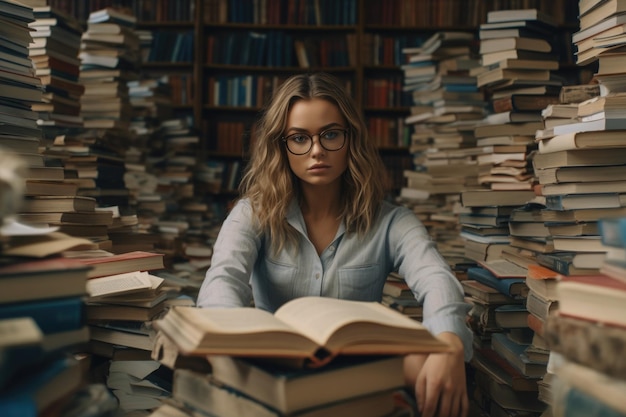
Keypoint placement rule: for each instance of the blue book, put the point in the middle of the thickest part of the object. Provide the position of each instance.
(515, 354)
(20, 346)
(563, 263)
(613, 231)
(512, 287)
(577, 403)
(51, 315)
(31, 394)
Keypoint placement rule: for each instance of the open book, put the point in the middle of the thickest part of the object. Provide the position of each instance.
(313, 328)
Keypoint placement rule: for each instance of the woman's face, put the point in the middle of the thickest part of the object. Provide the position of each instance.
(318, 166)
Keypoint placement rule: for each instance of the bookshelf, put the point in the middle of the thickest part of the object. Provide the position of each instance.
(224, 58)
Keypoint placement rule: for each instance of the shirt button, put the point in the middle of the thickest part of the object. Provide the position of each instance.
(331, 248)
(317, 276)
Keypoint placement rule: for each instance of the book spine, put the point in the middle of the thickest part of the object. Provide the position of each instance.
(554, 263)
(52, 316)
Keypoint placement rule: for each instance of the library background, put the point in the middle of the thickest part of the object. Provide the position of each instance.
(124, 129)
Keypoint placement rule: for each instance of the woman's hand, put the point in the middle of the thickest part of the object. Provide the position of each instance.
(439, 380)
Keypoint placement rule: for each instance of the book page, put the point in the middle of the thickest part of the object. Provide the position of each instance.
(233, 320)
(502, 268)
(320, 317)
(20, 331)
(119, 284)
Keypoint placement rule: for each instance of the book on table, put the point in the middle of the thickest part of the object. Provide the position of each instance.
(290, 391)
(313, 329)
(201, 393)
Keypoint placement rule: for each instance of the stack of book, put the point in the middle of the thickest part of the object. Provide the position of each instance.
(485, 222)
(20, 87)
(508, 369)
(54, 52)
(398, 296)
(109, 57)
(272, 364)
(44, 336)
(516, 50)
(517, 75)
(542, 302)
(131, 373)
(601, 40)
(589, 375)
(446, 104)
(579, 171)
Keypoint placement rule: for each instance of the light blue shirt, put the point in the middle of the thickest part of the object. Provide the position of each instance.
(350, 267)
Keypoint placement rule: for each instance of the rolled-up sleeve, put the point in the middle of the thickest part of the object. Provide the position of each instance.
(227, 281)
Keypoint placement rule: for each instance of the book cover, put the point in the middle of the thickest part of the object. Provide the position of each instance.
(603, 345)
(290, 391)
(40, 389)
(514, 353)
(51, 315)
(20, 346)
(512, 287)
(511, 316)
(596, 297)
(203, 393)
(42, 279)
(123, 263)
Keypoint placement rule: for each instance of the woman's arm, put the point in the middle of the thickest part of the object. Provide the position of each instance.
(227, 282)
(439, 380)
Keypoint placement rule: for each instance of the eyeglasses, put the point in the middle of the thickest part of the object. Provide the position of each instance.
(301, 143)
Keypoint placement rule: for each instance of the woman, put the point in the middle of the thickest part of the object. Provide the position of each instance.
(312, 221)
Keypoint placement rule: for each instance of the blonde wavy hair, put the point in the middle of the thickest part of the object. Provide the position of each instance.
(269, 183)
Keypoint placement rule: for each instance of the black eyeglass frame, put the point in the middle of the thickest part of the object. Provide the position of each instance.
(319, 135)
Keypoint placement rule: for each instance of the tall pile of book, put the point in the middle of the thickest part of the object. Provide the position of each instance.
(517, 65)
(517, 74)
(109, 57)
(20, 87)
(588, 376)
(54, 52)
(42, 369)
(446, 105)
(580, 169)
(600, 40)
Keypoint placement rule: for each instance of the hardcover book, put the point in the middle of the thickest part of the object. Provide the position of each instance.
(314, 329)
(290, 391)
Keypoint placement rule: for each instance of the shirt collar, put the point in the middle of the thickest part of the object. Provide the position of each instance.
(296, 220)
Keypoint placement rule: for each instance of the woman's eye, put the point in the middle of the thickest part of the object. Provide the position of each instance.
(331, 134)
(299, 138)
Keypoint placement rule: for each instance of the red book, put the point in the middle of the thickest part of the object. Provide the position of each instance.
(122, 263)
(42, 279)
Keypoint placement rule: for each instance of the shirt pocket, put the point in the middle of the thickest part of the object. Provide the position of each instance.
(280, 282)
(363, 283)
